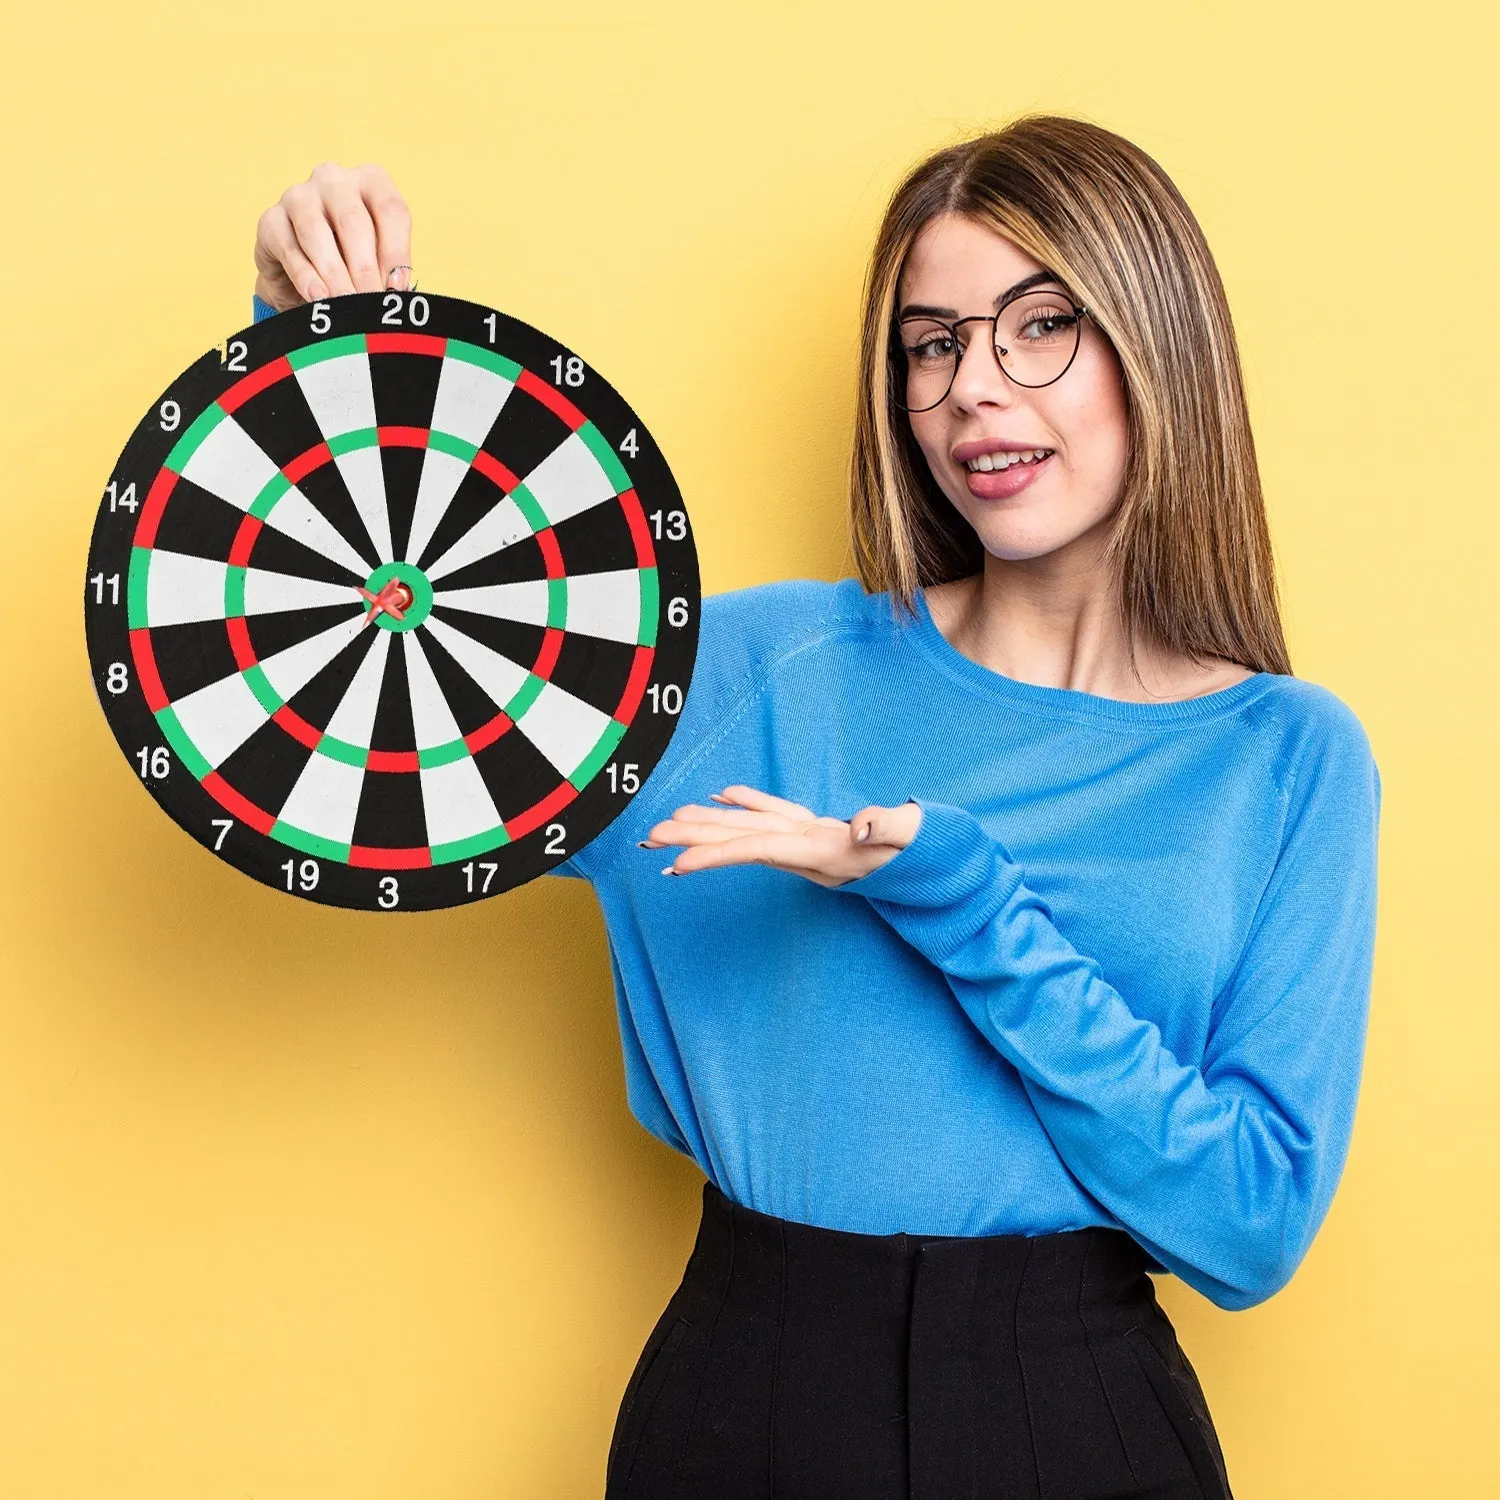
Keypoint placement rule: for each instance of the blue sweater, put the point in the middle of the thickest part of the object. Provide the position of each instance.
(1119, 977)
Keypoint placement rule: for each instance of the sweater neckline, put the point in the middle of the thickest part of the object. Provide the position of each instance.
(1069, 702)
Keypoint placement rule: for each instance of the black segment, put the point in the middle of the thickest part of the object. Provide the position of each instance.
(278, 553)
(189, 657)
(393, 723)
(521, 562)
(405, 388)
(596, 540)
(270, 633)
(391, 815)
(524, 433)
(319, 700)
(199, 524)
(470, 704)
(266, 767)
(475, 497)
(516, 773)
(593, 669)
(403, 472)
(280, 421)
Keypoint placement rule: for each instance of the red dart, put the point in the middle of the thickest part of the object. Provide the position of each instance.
(393, 599)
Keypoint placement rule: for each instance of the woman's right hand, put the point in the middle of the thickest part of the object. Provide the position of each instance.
(341, 231)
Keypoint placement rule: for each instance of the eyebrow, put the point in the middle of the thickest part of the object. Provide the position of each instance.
(919, 310)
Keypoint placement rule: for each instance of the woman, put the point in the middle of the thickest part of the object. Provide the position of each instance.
(1078, 990)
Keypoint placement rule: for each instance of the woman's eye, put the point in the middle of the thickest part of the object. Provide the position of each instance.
(1043, 326)
(937, 347)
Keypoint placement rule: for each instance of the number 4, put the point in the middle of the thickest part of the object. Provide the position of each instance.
(630, 447)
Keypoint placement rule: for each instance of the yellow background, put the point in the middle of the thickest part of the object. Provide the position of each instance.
(304, 1204)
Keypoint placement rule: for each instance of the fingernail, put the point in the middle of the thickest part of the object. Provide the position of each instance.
(670, 871)
(645, 844)
(862, 835)
(717, 798)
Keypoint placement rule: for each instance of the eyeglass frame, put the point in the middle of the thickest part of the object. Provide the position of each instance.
(1079, 312)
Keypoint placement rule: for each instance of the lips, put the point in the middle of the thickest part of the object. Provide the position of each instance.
(1001, 484)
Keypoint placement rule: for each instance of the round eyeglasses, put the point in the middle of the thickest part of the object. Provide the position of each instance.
(1036, 338)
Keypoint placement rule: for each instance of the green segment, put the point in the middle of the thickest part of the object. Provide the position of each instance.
(135, 587)
(177, 737)
(526, 503)
(351, 755)
(353, 343)
(442, 755)
(472, 354)
(186, 445)
(234, 592)
(608, 459)
(361, 437)
(445, 442)
(526, 696)
(557, 603)
(309, 843)
(481, 843)
(265, 502)
(260, 685)
(589, 766)
(650, 606)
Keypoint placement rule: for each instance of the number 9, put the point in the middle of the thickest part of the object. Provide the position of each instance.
(171, 416)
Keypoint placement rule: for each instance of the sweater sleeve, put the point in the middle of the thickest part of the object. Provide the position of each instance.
(1222, 1170)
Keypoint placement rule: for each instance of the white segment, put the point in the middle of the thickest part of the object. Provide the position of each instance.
(569, 480)
(432, 719)
(219, 718)
(339, 393)
(294, 515)
(525, 601)
(602, 604)
(469, 398)
(498, 675)
(442, 473)
(364, 477)
(325, 800)
(354, 718)
(180, 589)
(267, 593)
(457, 802)
(564, 728)
(495, 530)
(229, 463)
(291, 670)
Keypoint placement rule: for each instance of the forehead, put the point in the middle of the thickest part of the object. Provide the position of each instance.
(954, 254)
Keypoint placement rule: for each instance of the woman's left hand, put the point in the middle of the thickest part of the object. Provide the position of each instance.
(755, 828)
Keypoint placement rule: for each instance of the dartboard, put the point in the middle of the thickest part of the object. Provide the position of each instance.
(392, 602)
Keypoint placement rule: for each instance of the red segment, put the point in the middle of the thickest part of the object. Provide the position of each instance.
(546, 658)
(539, 812)
(389, 859)
(487, 734)
(546, 539)
(406, 343)
(495, 471)
(145, 669)
(305, 463)
(244, 542)
(239, 642)
(635, 689)
(552, 398)
(402, 437)
(392, 760)
(231, 801)
(156, 503)
(640, 533)
(298, 727)
(254, 383)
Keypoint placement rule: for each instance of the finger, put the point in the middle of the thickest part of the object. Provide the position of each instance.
(355, 230)
(288, 273)
(304, 207)
(780, 851)
(392, 219)
(749, 796)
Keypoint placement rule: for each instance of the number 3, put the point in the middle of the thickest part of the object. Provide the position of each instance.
(390, 892)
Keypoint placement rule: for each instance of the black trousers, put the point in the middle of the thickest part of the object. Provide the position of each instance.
(814, 1364)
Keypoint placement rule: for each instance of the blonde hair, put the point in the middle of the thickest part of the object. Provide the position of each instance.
(1190, 545)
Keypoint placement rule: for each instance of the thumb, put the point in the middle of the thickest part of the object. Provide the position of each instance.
(873, 825)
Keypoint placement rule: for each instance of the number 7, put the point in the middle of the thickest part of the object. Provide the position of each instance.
(223, 825)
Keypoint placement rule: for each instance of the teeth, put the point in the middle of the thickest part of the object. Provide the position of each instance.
(990, 461)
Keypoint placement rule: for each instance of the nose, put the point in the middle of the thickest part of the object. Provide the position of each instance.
(978, 380)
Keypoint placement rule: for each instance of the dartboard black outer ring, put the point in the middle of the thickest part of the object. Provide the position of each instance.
(143, 486)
